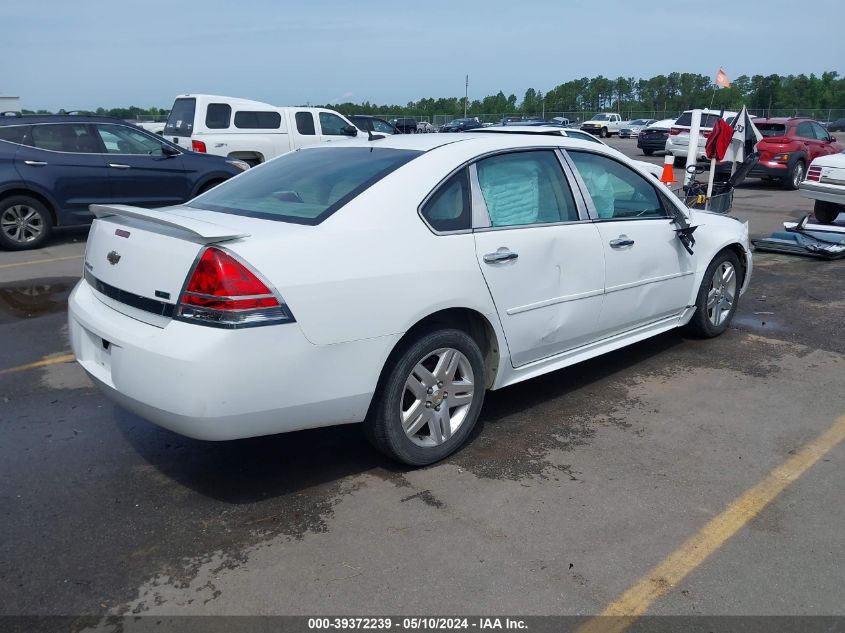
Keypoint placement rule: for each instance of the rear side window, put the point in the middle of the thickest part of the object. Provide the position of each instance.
(305, 186)
(65, 137)
(707, 120)
(258, 120)
(217, 116)
(526, 188)
(181, 119)
(449, 208)
(13, 133)
(771, 129)
(305, 123)
(805, 130)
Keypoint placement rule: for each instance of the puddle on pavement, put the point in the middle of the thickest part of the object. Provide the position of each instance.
(758, 323)
(34, 298)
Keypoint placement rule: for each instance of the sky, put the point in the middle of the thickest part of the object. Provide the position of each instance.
(86, 54)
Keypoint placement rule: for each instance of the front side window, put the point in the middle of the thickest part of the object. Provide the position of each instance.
(305, 123)
(821, 133)
(13, 133)
(526, 188)
(65, 137)
(305, 186)
(449, 208)
(119, 139)
(332, 124)
(257, 120)
(382, 126)
(217, 116)
(805, 130)
(618, 192)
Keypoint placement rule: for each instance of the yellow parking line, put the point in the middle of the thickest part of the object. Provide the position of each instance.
(666, 575)
(53, 360)
(41, 261)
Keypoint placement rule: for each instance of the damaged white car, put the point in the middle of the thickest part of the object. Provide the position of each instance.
(391, 282)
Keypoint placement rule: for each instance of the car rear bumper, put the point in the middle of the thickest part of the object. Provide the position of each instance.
(681, 150)
(770, 170)
(657, 144)
(820, 191)
(219, 384)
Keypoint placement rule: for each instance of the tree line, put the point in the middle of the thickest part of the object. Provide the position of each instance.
(672, 93)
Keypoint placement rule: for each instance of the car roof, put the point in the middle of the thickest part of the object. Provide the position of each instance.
(482, 141)
(784, 120)
(29, 119)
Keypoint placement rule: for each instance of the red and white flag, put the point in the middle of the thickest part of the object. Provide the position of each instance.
(722, 79)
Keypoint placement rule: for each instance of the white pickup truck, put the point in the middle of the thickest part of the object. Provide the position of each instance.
(604, 124)
(251, 131)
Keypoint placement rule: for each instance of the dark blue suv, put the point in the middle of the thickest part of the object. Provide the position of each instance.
(53, 166)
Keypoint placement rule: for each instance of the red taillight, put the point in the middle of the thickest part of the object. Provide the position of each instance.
(223, 292)
(675, 131)
(814, 173)
(198, 146)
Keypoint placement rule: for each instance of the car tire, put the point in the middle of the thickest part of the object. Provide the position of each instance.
(413, 395)
(648, 152)
(718, 296)
(826, 212)
(603, 133)
(25, 223)
(794, 177)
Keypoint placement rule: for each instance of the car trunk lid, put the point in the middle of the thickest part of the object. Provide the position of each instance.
(137, 260)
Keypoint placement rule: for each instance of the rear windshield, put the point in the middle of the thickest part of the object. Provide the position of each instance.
(181, 119)
(771, 129)
(306, 186)
(707, 120)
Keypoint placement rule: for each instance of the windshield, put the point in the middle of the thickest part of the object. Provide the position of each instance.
(771, 129)
(601, 117)
(306, 186)
(181, 119)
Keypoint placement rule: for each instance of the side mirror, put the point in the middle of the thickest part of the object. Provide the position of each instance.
(166, 150)
(832, 139)
(350, 130)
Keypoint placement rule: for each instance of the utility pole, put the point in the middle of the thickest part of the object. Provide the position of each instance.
(466, 96)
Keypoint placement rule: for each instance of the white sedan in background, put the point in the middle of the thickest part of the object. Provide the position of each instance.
(392, 282)
(825, 183)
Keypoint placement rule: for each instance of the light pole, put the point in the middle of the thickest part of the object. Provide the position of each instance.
(466, 95)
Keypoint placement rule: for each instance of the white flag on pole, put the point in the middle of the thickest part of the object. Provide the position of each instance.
(745, 137)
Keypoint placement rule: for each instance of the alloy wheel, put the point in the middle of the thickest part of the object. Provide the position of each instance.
(437, 397)
(720, 297)
(797, 175)
(21, 223)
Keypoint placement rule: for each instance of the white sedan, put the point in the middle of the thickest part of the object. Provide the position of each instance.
(392, 282)
(825, 183)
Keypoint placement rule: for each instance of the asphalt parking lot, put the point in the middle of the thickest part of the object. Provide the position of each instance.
(576, 487)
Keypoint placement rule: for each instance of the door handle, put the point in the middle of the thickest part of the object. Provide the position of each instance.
(623, 241)
(35, 163)
(501, 255)
(118, 165)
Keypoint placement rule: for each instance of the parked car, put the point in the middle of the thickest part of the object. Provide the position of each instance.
(265, 317)
(556, 130)
(406, 125)
(425, 127)
(53, 166)
(677, 143)
(632, 128)
(603, 124)
(825, 183)
(836, 126)
(461, 125)
(653, 137)
(250, 130)
(560, 120)
(367, 123)
(788, 146)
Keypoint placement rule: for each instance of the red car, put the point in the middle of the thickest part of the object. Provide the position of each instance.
(788, 147)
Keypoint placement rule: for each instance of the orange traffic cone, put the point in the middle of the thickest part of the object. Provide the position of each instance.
(668, 176)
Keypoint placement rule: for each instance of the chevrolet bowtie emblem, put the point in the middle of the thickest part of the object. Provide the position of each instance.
(113, 257)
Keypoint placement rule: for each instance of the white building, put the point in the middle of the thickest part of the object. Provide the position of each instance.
(10, 104)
